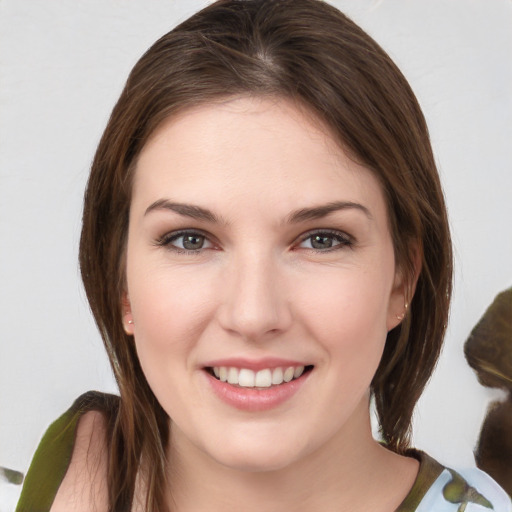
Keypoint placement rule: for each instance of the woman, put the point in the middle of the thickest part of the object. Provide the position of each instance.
(264, 247)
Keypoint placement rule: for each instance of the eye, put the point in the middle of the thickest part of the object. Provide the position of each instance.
(326, 240)
(185, 241)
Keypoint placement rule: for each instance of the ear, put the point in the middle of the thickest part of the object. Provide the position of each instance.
(403, 289)
(127, 314)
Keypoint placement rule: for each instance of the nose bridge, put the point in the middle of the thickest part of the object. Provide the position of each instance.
(254, 303)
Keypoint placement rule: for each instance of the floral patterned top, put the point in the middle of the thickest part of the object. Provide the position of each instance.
(436, 489)
(440, 489)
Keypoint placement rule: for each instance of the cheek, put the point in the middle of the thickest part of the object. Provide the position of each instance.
(162, 295)
(170, 311)
(349, 319)
(348, 301)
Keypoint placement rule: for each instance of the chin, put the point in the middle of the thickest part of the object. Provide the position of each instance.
(256, 463)
(256, 457)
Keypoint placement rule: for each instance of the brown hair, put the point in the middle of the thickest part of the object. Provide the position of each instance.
(309, 52)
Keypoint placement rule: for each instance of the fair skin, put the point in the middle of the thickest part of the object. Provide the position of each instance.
(281, 258)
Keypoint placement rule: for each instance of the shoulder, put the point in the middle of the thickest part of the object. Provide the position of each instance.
(72, 453)
(84, 484)
(451, 490)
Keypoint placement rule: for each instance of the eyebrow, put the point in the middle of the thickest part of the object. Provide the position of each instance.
(301, 215)
(319, 212)
(187, 210)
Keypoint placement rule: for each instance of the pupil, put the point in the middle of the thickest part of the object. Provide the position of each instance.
(192, 242)
(321, 242)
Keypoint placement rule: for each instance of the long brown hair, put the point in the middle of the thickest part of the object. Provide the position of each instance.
(309, 52)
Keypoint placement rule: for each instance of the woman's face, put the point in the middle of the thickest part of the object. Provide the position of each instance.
(258, 253)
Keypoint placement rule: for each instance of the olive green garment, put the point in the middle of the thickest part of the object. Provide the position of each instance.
(53, 455)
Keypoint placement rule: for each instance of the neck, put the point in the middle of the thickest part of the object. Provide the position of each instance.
(349, 472)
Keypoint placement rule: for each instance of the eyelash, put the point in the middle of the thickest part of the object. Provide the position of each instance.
(167, 239)
(344, 240)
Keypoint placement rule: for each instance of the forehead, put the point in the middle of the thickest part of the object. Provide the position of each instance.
(267, 151)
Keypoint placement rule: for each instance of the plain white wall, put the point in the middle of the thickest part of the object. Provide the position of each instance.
(62, 66)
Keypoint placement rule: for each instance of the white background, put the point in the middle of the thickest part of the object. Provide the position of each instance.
(62, 66)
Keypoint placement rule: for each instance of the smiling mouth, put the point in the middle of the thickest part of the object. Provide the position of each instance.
(263, 379)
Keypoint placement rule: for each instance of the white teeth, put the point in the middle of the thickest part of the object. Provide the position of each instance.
(299, 370)
(262, 379)
(288, 374)
(246, 378)
(277, 376)
(233, 375)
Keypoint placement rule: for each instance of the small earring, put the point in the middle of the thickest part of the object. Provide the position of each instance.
(402, 316)
(127, 324)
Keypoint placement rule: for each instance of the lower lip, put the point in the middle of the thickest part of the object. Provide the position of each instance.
(256, 399)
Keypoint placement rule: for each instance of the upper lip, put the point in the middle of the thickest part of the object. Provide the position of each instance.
(254, 364)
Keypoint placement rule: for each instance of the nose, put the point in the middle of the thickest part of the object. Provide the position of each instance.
(255, 305)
